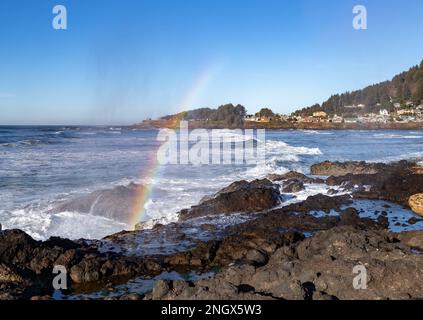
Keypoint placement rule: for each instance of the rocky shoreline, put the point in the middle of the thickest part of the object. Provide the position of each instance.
(247, 241)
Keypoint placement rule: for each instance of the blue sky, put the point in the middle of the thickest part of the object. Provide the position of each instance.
(122, 61)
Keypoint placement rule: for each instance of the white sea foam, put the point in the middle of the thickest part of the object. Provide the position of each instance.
(41, 225)
(188, 191)
(36, 176)
(278, 155)
(281, 147)
(310, 190)
(396, 136)
(316, 132)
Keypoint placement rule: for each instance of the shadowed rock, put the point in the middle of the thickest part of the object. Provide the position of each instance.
(26, 265)
(317, 268)
(241, 196)
(293, 175)
(413, 239)
(293, 186)
(328, 168)
(397, 182)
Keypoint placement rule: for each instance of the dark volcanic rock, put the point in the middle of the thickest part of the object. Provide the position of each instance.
(291, 252)
(320, 202)
(241, 196)
(332, 192)
(318, 268)
(293, 186)
(251, 247)
(414, 220)
(294, 175)
(26, 265)
(114, 203)
(413, 239)
(9, 274)
(349, 216)
(295, 217)
(395, 183)
(328, 168)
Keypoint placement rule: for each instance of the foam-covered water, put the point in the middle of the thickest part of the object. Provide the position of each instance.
(41, 166)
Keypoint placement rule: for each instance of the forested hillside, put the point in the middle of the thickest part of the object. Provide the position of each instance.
(403, 88)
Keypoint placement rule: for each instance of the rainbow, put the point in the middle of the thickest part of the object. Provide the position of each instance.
(152, 169)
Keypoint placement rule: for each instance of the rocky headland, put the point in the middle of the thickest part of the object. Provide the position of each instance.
(250, 240)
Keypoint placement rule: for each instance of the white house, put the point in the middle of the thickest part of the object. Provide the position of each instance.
(337, 119)
(404, 112)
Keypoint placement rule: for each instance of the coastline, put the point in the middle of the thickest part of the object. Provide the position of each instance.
(233, 260)
(157, 124)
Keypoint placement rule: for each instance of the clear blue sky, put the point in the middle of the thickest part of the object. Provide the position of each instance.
(122, 61)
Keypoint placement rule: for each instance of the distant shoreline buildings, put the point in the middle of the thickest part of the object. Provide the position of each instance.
(402, 113)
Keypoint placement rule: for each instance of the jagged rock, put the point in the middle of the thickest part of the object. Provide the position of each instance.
(9, 274)
(161, 288)
(202, 256)
(349, 216)
(397, 182)
(150, 224)
(30, 263)
(320, 268)
(329, 168)
(332, 192)
(293, 186)
(321, 202)
(241, 196)
(413, 220)
(131, 297)
(413, 239)
(294, 175)
(283, 253)
(253, 247)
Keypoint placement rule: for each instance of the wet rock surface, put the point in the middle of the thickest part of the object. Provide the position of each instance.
(26, 265)
(293, 175)
(318, 268)
(396, 183)
(240, 196)
(329, 168)
(293, 186)
(306, 250)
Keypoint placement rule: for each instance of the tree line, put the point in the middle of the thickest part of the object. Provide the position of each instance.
(229, 115)
(405, 87)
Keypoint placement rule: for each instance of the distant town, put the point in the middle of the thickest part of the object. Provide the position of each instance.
(394, 104)
(402, 113)
(406, 115)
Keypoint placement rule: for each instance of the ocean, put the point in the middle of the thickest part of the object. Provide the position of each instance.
(42, 166)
